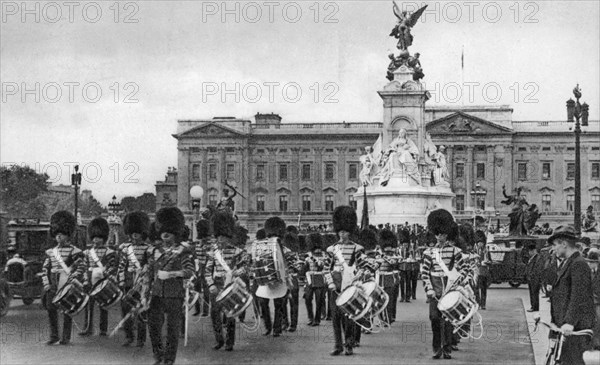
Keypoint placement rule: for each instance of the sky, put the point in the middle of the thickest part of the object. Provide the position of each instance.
(103, 85)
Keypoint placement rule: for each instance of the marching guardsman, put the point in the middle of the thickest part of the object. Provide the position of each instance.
(63, 263)
(221, 268)
(202, 249)
(437, 265)
(274, 228)
(344, 224)
(415, 268)
(315, 263)
(290, 254)
(368, 266)
(483, 268)
(389, 278)
(133, 256)
(100, 262)
(170, 266)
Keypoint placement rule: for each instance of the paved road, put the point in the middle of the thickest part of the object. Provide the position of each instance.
(506, 339)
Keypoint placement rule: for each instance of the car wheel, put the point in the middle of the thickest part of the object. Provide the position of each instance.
(514, 284)
(27, 301)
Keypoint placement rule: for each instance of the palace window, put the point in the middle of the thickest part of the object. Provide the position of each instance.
(283, 150)
(570, 148)
(596, 202)
(522, 149)
(329, 150)
(196, 171)
(283, 203)
(212, 149)
(522, 171)
(212, 171)
(480, 170)
(546, 148)
(546, 171)
(306, 203)
(595, 170)
(546, 202)
(570, 202)
(352, 201)
(306, 171)
(460, 202)
(329, 171)
(329, 203)
(212, 200)
(570, 171)
(230, 150)
(283, 171)
(306, 150)
(260, 150)
(352, 171)
(260, 203)
(260, 172)
(230, 169)
(460, 170)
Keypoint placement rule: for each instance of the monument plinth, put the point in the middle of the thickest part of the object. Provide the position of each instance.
(404, 174)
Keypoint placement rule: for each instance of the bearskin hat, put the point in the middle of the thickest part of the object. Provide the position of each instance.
(316, 241)
(368, 239)
(240, 236)
(170, 220)
(62, 222)
(153, 234)
(344, 219)
(291, 241)
(136, 222)
(186, 233)
(388, 239)
(98, 227)
(260, 234)
(222, 224)
(275, 226)
(203, 228)
(440, 221)
(403, 236)
(292, 229)
(466, 235)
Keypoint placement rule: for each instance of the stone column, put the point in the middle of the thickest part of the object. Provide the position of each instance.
(246, 179)
(272, 203)
(490, 177)
(508, 168)
(318, 178)
(469, 177)
(295, 180)
(450, 164)
(222, 170)
(183, 178)
(341, 177)
(204, 173)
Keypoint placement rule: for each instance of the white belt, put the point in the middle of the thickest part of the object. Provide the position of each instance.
(438, 275)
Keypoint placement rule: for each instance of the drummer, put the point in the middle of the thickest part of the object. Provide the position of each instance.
(368, 266)
(344, 224)
(435, 279)
(62, 263)
(388, 265)
(202, 247)
(314, 264)
(101, 262)
(290, 254)
(217, 276)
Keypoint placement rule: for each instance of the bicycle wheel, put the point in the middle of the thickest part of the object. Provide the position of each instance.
(550, 354)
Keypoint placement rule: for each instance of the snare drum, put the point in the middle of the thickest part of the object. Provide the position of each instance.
(133, 299)
(379, 297)
(234, 299)
(414, 266)
(315, 279)
(106, 292)
(354, 302)
(457, 307)
(71, 298)
(403, 266)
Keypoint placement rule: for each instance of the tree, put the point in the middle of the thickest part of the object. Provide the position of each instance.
(21, 192)
(145, 203)
(91, 207)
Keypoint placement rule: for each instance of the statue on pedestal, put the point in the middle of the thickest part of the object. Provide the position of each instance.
(522, 217)
(440, 172)
(405, 23)
(589, 220)
(400, 157)
(368, 162)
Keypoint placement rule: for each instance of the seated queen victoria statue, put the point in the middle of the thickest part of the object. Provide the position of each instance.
(400, 158)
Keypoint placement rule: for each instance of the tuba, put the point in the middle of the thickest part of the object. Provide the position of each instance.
(269, 268)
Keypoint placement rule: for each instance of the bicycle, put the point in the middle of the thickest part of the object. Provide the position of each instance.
(556, 342)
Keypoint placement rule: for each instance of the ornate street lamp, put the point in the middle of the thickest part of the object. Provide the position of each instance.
(196, 193)
(580, 112)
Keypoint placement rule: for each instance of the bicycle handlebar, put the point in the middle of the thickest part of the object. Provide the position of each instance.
(553, 327)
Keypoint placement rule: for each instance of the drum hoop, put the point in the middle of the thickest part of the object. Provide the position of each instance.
(385, 303)
(80, 308)
(244, 307)
(62, 291)
(337, 300)
(114, 301)
(364, 312)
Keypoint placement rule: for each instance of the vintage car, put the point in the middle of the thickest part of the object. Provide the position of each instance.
(509, 258)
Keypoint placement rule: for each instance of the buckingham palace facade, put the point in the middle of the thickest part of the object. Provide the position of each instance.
(302, 171)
